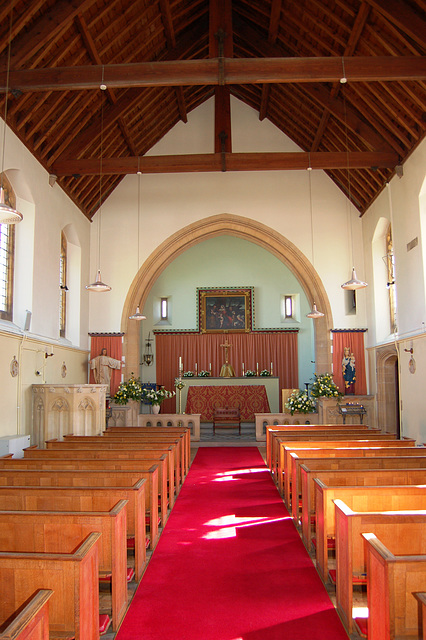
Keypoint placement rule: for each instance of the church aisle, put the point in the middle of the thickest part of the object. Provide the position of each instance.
(230, 564)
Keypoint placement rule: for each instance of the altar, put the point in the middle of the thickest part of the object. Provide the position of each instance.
(257, 394)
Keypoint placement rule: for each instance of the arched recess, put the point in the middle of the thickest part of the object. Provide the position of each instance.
(388, 389)
(241, 227)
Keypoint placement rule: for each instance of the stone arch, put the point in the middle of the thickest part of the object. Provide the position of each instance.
(241, 227)
(387, 389)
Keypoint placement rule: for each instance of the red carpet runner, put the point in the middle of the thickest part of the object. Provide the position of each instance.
(230, 564)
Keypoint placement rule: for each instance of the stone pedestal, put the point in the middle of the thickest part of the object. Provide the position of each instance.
(59, 409)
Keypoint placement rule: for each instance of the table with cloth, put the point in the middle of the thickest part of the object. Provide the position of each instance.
(250, 399)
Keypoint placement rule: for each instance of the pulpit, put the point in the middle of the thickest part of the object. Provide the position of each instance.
(59, 409)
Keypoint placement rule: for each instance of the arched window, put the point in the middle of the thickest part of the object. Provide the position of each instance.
(390, 264)
(7, 253)
(63, 286)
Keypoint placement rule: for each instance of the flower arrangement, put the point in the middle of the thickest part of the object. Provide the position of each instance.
(188, 374)
(265, 372)
(157, 397)
(130, 390)
(324, 386)
(250, 373)
(203, 374)
(300, 402)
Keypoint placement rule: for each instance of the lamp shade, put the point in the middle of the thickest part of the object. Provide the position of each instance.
(314, 314)
(137, 315)
(354, 283)
(8, 215)
(98, 285)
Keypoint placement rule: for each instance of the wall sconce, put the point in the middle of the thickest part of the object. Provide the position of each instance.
(148, 356)
(48, 355)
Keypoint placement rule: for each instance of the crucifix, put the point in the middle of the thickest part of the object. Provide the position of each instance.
(227, 370)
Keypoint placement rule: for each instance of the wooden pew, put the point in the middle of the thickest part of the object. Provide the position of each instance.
(333, 436)
(394, 572)
(184, 431)
(350, 558)
(62, 531)
(285, 468)
(30, 621)
(421, 599)
(73, 578)
(94, 453)
(336, 442)
(272, 430)
(92, 478)
(353, 463)
(35, 498)
(143, 439)
(90, 464)
(107, 444)
(345, 477)
(302, 433)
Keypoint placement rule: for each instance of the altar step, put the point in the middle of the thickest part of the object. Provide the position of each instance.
(224, 435)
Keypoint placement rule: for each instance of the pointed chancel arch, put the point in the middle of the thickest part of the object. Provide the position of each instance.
(240, 227)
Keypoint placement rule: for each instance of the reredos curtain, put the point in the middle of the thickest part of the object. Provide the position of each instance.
(355, 341)
(114, 347)
(279, 347)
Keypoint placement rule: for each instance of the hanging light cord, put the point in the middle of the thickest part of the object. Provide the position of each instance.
(100, 185)
(349, 178)
(311, 208)
(7, 91)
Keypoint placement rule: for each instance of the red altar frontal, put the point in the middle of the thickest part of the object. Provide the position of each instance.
(250, 399)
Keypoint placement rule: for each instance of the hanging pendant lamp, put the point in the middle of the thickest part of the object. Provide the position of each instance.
(354, 283)
(98, 285)
(8, 215)
(138, 315)
(314, 314)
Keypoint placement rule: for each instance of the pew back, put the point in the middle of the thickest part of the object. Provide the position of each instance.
(30, 622)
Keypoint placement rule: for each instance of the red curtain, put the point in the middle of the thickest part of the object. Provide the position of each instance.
(355, 341)
(203, 350)
(114, 347)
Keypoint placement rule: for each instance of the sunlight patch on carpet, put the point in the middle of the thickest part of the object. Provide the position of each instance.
(228, 525)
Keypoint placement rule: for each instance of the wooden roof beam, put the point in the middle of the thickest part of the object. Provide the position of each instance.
(400, 14)
(274, 161)
(217, 72)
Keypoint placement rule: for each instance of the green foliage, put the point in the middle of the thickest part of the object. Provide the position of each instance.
(324, 386)
(300, 402)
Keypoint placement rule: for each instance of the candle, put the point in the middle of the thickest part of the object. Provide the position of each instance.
(243, 369)
(257, 368)
(196, 368)
(210, 367)
(180, 364)
(271, 368)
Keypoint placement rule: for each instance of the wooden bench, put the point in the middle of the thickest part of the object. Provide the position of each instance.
(73, 578)
(30, 621)
(94, 453)
(274, 431)
(394, 572)
(285, 468)
(185, 432)
(353, 464)
(345, 477)
(355, 433)
(328, 440)
(92, 478)
(35, 498)
(421, 599)
(90, 464)
(350, 558)
(133, 440)
(226, 417)
(62, 531)
(120, 445)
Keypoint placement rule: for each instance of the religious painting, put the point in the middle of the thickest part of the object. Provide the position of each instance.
(225, 310)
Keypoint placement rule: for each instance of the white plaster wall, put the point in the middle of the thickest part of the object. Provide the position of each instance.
(277, 199)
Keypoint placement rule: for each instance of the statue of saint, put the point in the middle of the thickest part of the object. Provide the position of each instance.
(348, 370)
(102, 366)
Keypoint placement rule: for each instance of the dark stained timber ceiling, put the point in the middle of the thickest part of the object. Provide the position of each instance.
(161, 59)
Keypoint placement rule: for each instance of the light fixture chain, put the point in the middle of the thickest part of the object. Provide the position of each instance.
(7, 89)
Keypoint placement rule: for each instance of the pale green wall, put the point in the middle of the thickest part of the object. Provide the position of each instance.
(226, 261)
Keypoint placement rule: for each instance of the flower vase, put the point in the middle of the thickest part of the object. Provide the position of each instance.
(155, 408)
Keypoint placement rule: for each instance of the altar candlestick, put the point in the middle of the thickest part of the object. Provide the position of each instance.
(180, 365)
(196, 368)
(257, 368)
(243, 369)
(271, 368)
(210, 368)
